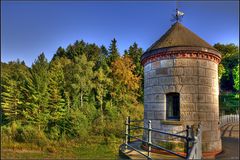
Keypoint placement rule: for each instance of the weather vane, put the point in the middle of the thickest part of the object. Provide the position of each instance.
(178, 16)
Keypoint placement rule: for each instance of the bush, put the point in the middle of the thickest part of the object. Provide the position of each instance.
(6, 134)
(77, 126)
(30, 134)
(51, 149)
(54, 133)
(229, 103)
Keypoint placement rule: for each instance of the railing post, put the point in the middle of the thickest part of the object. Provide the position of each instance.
(126, 133)
(129, 129)
(199, 140)
(149, 139)
(188, 140)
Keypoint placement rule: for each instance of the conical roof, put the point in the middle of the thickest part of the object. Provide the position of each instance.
(180, 36)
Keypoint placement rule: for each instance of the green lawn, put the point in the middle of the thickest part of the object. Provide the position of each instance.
(80, 150)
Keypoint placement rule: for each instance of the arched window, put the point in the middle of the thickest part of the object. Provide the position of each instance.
(173, 111)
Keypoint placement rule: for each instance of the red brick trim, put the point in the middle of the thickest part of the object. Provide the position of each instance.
(182, 54)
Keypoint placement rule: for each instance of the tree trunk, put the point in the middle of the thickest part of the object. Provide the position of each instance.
(101, 111)
(81, 97)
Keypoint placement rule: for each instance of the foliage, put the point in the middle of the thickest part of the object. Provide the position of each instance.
(84, 91)
(135, 53)
(221, 71)
(236, 77)
(113, 51)
(79, 75)
(13, 77)
(125, 82)
(228, 103)
(229, 54)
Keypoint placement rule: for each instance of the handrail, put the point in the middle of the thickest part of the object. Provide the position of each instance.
(137, 138)
(196, 150)
(137, 120)
(232, 118)
(158, 131)
(190, 139)
(171, 134)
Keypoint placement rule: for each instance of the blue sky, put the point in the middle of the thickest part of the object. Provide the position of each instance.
(29, 28)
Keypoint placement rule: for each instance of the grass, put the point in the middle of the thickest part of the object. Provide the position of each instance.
(99, 151)
(91, 148)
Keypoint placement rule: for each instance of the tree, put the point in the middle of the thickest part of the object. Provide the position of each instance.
(13, 77)
(236, 77)
(113, 51)
(57, 99)
(125, 82)
(93, 52)
(82, 85)
(40, 94)
(102, 84)
(104, 51)
(221, 71)
(230, 54)
(60, 53)
(102, 59)
(10, 99)
(135, 53)
(75, 50)
(79, 76)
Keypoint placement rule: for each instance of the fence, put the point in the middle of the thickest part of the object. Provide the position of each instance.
(192, 147)
(232, 118)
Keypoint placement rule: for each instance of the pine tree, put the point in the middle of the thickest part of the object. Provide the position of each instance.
(135, 53)
(93, 52)
(13, 76)
(113, 51)
(56, 102)
(40, 96)
(59, 53)
(10, 99)
(102, 59)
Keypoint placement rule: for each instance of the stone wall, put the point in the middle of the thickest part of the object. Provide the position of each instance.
(197, 82)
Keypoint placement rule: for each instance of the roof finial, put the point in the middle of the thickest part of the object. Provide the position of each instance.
(179, 15)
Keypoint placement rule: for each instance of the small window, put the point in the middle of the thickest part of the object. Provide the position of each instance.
(173, 106)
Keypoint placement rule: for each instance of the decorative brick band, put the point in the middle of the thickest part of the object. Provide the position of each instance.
(182, 54)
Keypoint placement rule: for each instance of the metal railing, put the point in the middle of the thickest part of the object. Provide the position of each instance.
(226, 119)
(192, 147)
(196, 150)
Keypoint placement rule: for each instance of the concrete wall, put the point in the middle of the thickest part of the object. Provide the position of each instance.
(197, 83)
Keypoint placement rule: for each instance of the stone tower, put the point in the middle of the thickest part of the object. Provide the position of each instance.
(181, 86)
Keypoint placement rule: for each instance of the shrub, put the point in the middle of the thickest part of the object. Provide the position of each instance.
(30, 134)
(51, 149)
